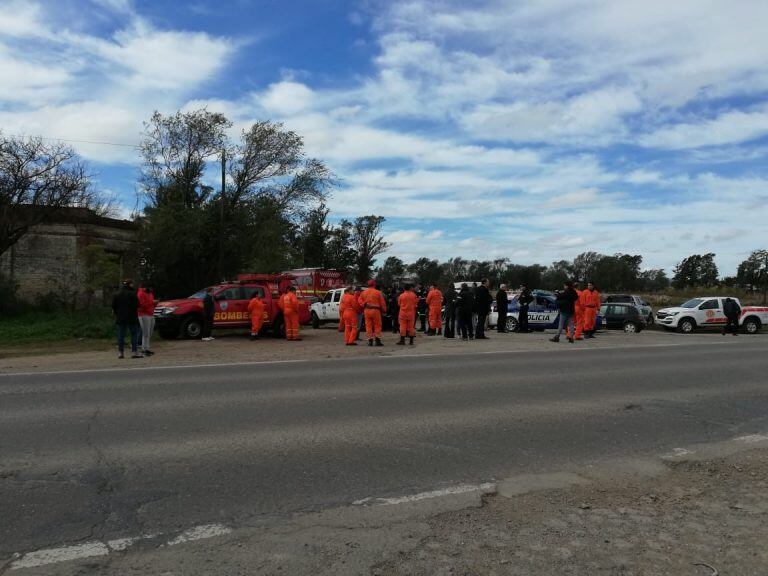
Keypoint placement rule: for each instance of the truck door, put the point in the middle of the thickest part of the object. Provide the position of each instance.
(333, 311)
(325, 308)
(231, 308)
(712, 312)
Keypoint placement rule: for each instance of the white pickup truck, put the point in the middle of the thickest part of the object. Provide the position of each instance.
(708, 312)
(327, 309)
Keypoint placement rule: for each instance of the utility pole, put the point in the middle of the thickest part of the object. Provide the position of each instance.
(221, 213)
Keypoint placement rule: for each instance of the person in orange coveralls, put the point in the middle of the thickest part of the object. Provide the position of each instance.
(591, 304)
(256, 312)
(289, 304)
(435, 304)
(407, 302)
(349, 310)
(578, 315)
(373, 304)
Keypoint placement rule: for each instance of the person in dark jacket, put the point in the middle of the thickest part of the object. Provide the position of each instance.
(125, 307)
(483, 300)
(524, 300)
(502, 303)
(732, 312)
(209, 309)
(394, 308)
(449, 330)
(464, 305)
(566, 303)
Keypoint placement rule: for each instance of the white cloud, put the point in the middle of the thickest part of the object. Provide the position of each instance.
(287, 98)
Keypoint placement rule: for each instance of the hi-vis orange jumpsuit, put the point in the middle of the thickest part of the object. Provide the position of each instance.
(407, 302)
(591, 306)
(435, 303)
(578, 317)
(373, 304)
(256, 312)
(289, 304)
(349, 310)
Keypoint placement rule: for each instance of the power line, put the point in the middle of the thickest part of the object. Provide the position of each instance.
(87, 141)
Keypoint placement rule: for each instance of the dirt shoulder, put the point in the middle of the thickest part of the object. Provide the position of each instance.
(326, 342)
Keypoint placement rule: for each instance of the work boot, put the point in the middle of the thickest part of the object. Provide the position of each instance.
(370, 341)
(555, 339)
(411, 341)
(379, 342)
(401, 342)
(570, 340)
(439, 331)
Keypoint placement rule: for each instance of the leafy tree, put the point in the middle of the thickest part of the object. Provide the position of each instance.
(753, 272)
(37, 180)
(696, 271)
(584, 266)
(314, 235)
(102, 270)
(339, 252)
(557, 274)
(653, 280)
(368, 243)
(427, 271)
(391, 271)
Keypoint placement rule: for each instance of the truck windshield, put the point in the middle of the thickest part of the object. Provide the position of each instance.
(199, 295)
(692, 303)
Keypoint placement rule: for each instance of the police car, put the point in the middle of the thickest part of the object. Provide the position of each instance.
(542, 312)
(707, 312)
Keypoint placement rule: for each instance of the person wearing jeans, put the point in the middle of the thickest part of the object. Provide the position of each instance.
(146, 318)
(125, 306)
(566, 303)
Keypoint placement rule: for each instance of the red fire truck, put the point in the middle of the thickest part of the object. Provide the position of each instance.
(184, 317)
(315, 281)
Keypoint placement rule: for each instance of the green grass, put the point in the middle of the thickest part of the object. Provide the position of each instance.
(29, 327)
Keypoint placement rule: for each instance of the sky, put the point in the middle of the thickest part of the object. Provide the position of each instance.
(532, 130)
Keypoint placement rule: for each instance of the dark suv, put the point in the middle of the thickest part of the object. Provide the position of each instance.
(620, 316)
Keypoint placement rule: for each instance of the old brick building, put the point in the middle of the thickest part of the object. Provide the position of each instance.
(50, 255)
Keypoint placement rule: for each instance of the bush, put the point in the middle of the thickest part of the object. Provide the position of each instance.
(10, 304)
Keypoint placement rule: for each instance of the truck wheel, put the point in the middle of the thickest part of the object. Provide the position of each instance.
(687, 326)
(752, 325)
(631, 328)
(511, 324)
(315, 321)
(166, 335)
(192, 328)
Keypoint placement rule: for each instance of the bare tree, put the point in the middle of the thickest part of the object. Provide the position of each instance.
(175, 150)
(37, 180)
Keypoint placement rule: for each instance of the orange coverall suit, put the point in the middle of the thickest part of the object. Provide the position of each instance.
(578, 317)
(373, 303)
(289, 304)
(256, 312)
(591, 306)
(350, 311)
(435, 303)
(407, 301)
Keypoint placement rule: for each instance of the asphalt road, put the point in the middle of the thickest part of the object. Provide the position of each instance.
(110, 454)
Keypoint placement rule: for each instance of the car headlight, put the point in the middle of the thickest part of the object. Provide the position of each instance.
(673, 313)
(166, 310)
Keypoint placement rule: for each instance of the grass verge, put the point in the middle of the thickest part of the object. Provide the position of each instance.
(31, 327)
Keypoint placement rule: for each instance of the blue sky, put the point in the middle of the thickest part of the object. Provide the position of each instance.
(484, 129)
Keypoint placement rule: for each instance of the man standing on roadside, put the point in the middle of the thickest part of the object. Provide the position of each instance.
(578, 314)
(125, 306)
(483, 301)
(566, 303)
(209, 308)
(407, 303)
(289, 304)
(591, 304)
(349, 310)
(465, 304)
(373, 304)
(524, 299)
(435, 305)
(502, 302)
(732, 313)
(256, 312)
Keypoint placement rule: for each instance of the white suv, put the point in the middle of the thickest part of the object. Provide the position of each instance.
(708, 312)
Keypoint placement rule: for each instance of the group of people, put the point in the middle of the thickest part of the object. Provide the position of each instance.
(578, 311)
(134, 312)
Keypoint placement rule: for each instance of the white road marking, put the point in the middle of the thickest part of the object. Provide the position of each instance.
(679, 452)
(200, 533)
(752, 438)
(460, 489)
(95, 548)
(56, 555)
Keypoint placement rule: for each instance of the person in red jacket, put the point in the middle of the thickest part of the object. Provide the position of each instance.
(146, 317)
(591, 306)
(349, 310)
(408, 301)
(289, 304)
(256, 312)
(373, 304)
(435, 304)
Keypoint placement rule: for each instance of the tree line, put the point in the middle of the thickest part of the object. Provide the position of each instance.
(268, 213)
